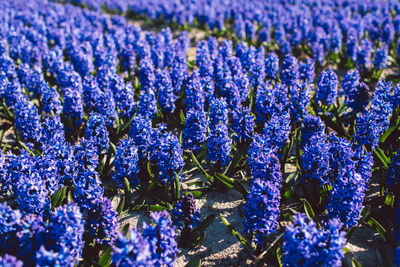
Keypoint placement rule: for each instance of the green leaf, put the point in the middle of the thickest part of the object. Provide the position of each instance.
(291, 178)
(118, 124)
(292, 211)
(342, 108)
(62, 197)
(177, 187)
(7, 111)
(199, 229)
(181, 139)
(287, 194)
(389, 200)
(69, 197)
(120, 207)
(388, 132)
(365, 213)
(392, 60)
(275, 244)
(234, 162)
(251, 97)
(238, 236)
(308, 210)
(113, 148)
(384, 157)
(56, 197)
(380, 158)
(169, 206)
(355, 263)
(349, 64)
(197, 185)
(127, 187)
(182, 117)
(374, 224)
(279, 257)
(377, 74)
(310, 109)
(149, 170)
(241, 189)
(127, 124)
(196, 194)
(125, 229)
(23, 145)
(156, 208)
(191, 63)
(105, 259)
(200, 167)
(225, 179)
(1, 135)
(194, 262)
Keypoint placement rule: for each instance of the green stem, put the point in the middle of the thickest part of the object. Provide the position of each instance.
(128, 195)
(106, 163)
(9, 115)
(380, 158)
(21, 144)
(1, 135)
(5, 147)
(118, 124)
(292, 139)
(126, 124)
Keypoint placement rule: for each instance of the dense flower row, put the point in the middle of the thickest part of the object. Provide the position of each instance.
(326, 26)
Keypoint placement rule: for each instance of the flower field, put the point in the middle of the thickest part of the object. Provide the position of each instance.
(199, 133)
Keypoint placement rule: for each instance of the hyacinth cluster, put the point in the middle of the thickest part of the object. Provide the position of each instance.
(167, 156)
(327, 88)
(307, 71)
(323, 29)
(185, 215)
(315, 160)
(96, 130)
(126, 163)
(89, 101)
(31, 180)
(243, 124)
(371, 123)
(315, 157)
(262, 209)
(336, 162)
(134, 251)
(269, 100)
(27, 121)
(10, 261)
(263, 162)
(356, 91)
(306, 245)
(347, 197)
(219, 145)
(154, 246)
(141, 132)
(29, 240)
(195, 132)
(102, 221)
